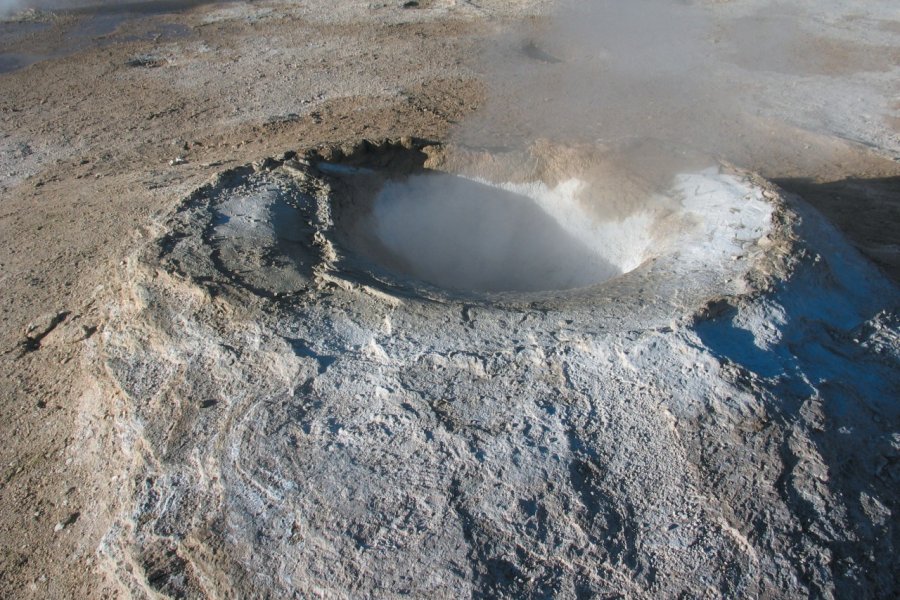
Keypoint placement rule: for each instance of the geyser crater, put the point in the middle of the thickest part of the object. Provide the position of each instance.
(376, 417)
(555, 226)
(469, 235)
(551, 222)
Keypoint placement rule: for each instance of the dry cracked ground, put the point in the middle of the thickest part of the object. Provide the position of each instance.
(195, 402)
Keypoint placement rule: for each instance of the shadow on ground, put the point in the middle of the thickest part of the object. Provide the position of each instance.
(830, 378)
(867, 211)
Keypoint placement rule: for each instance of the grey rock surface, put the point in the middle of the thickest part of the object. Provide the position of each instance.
(302, 423)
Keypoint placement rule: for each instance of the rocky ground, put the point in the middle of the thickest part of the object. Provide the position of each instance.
(170, 434)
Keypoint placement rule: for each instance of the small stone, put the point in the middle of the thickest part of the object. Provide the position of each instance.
(178, 160)
(265, 164)
(68, 521)
(330, 153)
(296, 167)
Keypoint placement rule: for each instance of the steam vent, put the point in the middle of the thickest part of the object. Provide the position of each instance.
(399, 368)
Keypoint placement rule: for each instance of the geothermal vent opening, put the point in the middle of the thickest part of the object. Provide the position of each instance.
(469, 235)
(446, 222)
(463, 234)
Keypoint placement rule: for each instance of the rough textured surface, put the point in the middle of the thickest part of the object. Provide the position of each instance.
(354, 436)
(109, 118)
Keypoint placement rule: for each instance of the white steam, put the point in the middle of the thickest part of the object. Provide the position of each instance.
(463, 234)
(708, 75)
(623, 243)
(613, 70)
(469, 235)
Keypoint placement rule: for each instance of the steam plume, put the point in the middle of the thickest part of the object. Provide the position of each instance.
(692, 74)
